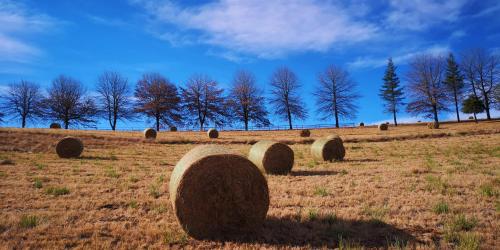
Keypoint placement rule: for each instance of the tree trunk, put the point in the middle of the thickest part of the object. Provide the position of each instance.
(456, 106)
(475, 118)
(487, 105)
(114, 122)
(435, 113)
(157, 123)
(23, 122)
(394, 116)
(336, 119)
(246, 125)
(289, 118)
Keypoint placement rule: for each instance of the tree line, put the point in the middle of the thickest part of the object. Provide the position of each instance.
(433, 84)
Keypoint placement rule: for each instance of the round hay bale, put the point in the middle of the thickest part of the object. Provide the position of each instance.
(213, 133)
(328, 149)
(383, 126)
(361, 124)
(150, 133)
(173, 129)
(69, 147)
(55, 125)
(433, 125)
(471, 117)
(216, 193)
(305, 133)
(272, 157)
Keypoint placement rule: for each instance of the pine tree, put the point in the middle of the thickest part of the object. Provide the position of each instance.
(454, 81)
(391, 92)
(473, 105)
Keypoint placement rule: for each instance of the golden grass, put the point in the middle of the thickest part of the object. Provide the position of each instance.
(414, 191)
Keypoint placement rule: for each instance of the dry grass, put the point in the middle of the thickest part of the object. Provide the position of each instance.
(422, 190)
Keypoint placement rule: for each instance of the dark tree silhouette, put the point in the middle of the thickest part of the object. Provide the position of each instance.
(454, 82)
(391, 92)
(23, 101)
(203, 101)
(335, 94)
(473, 105)
(284, 96)
(247, 101)
(114, 97)
(482, 71)
(425, 85)
(157, 97)
(67, 102)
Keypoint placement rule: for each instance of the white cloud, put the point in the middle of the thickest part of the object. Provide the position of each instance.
(403, 58)
(112, 22)
(266, 28)
(16, 24)
(422, 14)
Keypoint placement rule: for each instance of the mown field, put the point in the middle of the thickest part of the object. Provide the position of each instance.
(409, 187)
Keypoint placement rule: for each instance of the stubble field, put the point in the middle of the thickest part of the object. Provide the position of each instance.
(409, 187)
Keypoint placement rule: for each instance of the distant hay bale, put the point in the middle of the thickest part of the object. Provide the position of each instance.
(55, 125)
(383, 126)
(213, 133)
(361, 124)
(216, 193)
(150, 133)
(328, 149)
(471, 117)
(433, 125)
(305, 133)
(173, 129)
(272, 157)
(69, 147)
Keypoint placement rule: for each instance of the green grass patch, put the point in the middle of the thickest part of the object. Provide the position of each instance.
(488, 190)
(37, 183)
(29, 221)
(441, 208)
(321, 191)
(435, 183)
(57, 191)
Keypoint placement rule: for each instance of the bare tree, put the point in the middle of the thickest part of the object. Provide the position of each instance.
(114, 97)
(284, 95)
(68, 102)
(158, 98)
(335, 94)
(247, 101)
(425, 84)
(23, 101)
(203, 101)
(482, 72)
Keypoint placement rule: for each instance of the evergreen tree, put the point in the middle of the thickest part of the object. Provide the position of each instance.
(391, 91)
(473, 105)
(454, 81)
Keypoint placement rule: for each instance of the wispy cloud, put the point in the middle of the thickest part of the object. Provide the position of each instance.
(267, 29)
(402, 58)
(422, 14)
(17, 24)
(112, 22)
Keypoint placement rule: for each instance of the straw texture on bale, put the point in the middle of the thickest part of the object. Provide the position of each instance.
(150, 133)
(69, 147)
(213, 133)
(272, 157)
(383, 126)
(433, 125)
(329, 148)
(55, 125)
(361, 124)
(173, 129)
(216, 193)
(305, 133)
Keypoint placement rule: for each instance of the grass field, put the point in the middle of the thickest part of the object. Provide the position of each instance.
(409, 187)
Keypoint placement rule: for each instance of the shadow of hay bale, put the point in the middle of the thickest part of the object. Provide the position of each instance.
(325, 232)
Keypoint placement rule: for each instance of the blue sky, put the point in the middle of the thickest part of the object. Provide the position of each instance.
(82, 38)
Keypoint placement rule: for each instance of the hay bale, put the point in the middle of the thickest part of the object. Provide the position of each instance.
(383, 126)
(213, 133)
(272, 157)
(328, 149)
(305, 133)
(216, 193)
(55, 125)
(361, 124)
(173, 129)
(433, 125)
(69, 147)
(471, 117)
(150, 133)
